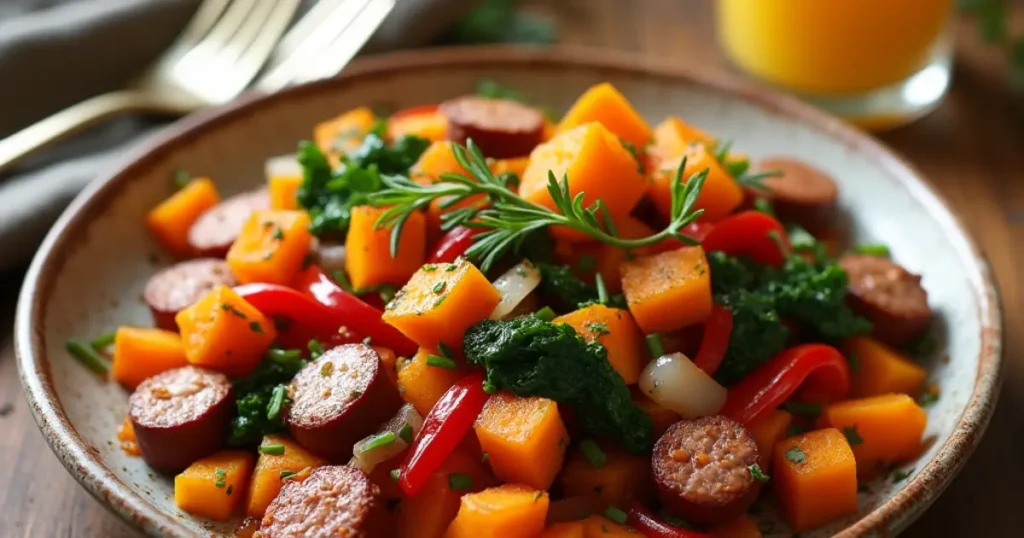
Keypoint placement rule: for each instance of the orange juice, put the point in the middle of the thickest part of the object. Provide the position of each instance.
(832, 47)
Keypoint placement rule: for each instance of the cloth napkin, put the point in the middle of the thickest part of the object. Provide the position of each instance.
(54, 53)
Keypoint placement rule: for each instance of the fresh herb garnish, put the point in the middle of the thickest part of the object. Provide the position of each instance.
(286, 474)
(103, 341)
(255, 327)
(899, 476)
(395, 474)
(593, 453)
(181, 178)
(927, 399)
(273, 450)
(877, 249)
(87, 356)
(235, 311)
(546, 314)
(796, 455)
(809, 410)
(852, 437)
(559, 284)
(315, 349)
(597, 330)
(405, 434)
(510, 218)
(441, 362)
(654, 345)
(615, 514)
(257, 394)
(460, 482)
(276, 402)
(220, 477)
(757, 473)
(378, 441)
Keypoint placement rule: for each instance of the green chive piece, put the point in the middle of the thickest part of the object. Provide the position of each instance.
(545, 314)
(276, 402)
(284, 355)
(602, 290)
(394, 474)
(441, 362)
(220, 477)
(103, 341)
(440, 286)
(876, 249)
(273, 450)
(181, 178)
(315, 349)
(460, 482)
(485, 457)
(445, 350)
(405, 433)
(593, 453)
(802, 409)
(87, 356)
(286, 474)
(764, 206)
(615, 514)
(654, 345)
(379, 440)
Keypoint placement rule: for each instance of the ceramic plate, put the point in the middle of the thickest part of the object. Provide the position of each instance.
(88, 275)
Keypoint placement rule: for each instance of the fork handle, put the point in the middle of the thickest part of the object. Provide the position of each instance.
(67, 122)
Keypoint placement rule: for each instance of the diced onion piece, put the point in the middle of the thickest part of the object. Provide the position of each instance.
(330, 257)
(365, 457)
(282, 166)
(676, 384)
(514, 286)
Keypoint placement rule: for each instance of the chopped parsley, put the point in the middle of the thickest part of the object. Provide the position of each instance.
(220, 477)
(796, 455)
(899, 476)
(852, 436)
(757, 473)
(598, 329)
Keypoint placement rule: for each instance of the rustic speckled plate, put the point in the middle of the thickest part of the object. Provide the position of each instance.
(88, 274)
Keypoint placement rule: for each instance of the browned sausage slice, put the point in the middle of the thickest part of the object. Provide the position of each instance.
(502, 128)
(213, 232)
(334, 501)
(803, 194)
(889, 296)
(180, 415)
(701, 468)
(177, 287)
(338, 399)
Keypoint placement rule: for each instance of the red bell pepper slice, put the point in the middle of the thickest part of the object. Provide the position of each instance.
(749, 233)
(443, 428)
(772, 383)
(717, 330)
(697, 230)
(358, 316)
(306, 318)
(652, 526)
(453, 244)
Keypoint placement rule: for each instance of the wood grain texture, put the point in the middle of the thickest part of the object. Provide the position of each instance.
(969, 148)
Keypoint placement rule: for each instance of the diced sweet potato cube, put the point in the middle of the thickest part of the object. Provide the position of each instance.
(440, 302)
(215, 486)
(572, 529)
(170, 221)
(283, 191)
(719, 197)
(622, 478)
(524, 439)
(815, 478)
(368, 258)
(881, 369)
(602, 527)
(668, 291)
(421, 384)
(881, 429)
(741, 527)
(614, 329)
(428, 513)
(343, 133)
(223, 332)
(673, 136)
(595, 163)
(424, 121)
(604, 104)
(508, 511)
(271, 247)
(768, 430)
(266, 478)
(141, 353)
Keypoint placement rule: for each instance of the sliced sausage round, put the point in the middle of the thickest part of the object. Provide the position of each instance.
(180, 416)
(502, 128)
(333, 501)
(179, 286)
(338, 399)
(213, 232)
(702, 469)
(803, 194)
(889, 296)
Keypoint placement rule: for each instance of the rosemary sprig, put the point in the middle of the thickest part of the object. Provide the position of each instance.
(510, 218)
(741, 169)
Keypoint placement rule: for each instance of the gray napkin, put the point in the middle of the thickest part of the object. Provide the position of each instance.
(54, 53)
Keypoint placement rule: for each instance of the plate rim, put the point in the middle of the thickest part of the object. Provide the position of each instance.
(77, 457)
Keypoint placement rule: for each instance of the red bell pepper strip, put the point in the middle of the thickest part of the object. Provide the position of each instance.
(749, 233)
(772, 383)
(697, 230)
(453, 244)
(652, 527)
(306, 318)
(717, 330)
(443, 428)
(358, 316)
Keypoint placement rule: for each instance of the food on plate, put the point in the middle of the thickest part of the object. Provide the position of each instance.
(462, 320)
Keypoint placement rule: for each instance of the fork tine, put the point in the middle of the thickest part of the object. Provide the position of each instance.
(303, 28)
(330, 46)
(199, 25)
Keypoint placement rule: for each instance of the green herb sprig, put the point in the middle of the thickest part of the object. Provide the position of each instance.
(511, 218)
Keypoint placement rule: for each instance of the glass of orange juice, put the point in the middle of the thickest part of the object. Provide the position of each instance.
(879, 63)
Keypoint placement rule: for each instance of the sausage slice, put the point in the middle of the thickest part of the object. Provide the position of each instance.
(180, 416)
(889, 296)
(338, 399)
(502, 128)
(213, 232)
(334, 501)
(802, 194)
(701, 469)
(179, 286)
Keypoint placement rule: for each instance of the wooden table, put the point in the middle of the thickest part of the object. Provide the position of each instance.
(970, 148)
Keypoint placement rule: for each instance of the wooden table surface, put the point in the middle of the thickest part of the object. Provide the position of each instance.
(970, 148)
